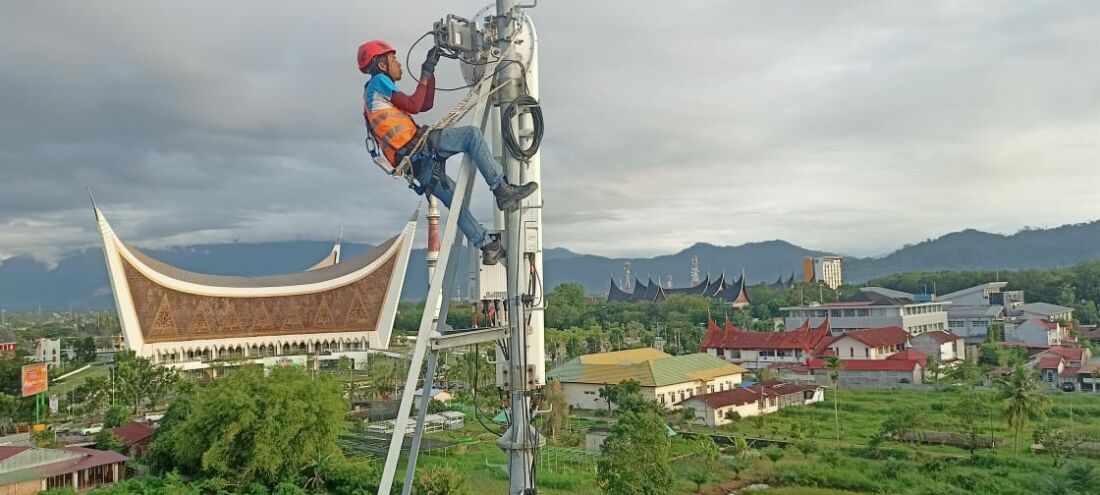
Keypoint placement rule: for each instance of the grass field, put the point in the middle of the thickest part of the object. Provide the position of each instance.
(72, 382)
(854, 469)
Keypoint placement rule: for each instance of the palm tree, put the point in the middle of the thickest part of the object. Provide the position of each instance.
(834, 364)
(1023, 399)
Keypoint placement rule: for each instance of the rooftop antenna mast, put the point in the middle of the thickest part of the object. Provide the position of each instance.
(500, 61)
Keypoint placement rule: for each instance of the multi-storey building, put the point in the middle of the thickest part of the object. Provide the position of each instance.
(873, 307)
(827, 270)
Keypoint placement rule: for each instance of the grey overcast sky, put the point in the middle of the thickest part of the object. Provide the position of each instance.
(851, 126)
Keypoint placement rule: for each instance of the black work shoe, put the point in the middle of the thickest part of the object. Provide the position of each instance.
(509, 196)
(491, 253)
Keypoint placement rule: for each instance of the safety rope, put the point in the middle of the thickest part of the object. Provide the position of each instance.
(456, 113)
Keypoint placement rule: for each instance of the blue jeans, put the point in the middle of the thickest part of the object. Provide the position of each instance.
(469, 140)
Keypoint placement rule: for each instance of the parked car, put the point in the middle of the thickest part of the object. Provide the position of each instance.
(153, 417)
(92, 429)
(1068, 387)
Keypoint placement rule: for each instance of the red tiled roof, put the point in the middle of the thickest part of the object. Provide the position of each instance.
(879, 337)
(1069, 372)
(748, 395)
(7, 451)
(1025, 345)
(133, 432)
(1069, 353)
(811, 340)
(92, 458)
(943, 336)
(909, 355)
(1045, 324)
(1048, 362)
(868, 364)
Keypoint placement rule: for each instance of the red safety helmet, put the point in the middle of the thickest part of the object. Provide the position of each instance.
(371, 49)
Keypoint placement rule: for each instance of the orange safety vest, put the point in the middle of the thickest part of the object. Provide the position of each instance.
(392, 130)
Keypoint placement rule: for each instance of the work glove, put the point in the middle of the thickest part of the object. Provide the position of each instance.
(427, 69)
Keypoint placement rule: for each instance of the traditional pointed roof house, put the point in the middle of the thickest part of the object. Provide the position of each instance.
(191, 320)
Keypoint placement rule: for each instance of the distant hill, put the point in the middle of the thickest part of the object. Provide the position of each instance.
(975, 250)
(80, 279)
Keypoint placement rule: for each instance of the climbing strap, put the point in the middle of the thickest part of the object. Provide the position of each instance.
(456, 113)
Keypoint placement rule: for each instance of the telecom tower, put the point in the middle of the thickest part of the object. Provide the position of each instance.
(628, 280)
(695, 271)
(499, 59)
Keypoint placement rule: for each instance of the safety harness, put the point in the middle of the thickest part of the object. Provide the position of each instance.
(416, 151)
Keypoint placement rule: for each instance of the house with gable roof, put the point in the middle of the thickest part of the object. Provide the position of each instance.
(753, 350)
(665, 379)
(870, 343)
(942, 346)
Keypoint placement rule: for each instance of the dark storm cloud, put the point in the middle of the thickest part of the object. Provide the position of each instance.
(855, 126)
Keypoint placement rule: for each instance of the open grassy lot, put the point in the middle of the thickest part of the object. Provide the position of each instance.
(823, 469)
(64, 386)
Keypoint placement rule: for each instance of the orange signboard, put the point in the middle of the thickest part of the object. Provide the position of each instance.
(34, 379)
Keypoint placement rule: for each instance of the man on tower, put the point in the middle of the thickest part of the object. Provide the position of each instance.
(387, 112)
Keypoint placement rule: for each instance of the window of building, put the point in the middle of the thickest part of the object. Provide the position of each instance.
(863, 312)
(851, 352)
(866, 352)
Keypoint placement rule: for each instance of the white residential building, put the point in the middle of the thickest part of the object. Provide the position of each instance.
(717, 408)
(872, 308)
(1046, 311)
(941, 346)
(871, 343)
(663, 378)
(1036, 331)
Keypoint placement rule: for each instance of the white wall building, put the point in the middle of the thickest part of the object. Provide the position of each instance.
(716, 409)
(941, 346)
(663, 378)
(871, 309)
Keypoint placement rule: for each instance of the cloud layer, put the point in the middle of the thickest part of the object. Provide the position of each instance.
(850, 126)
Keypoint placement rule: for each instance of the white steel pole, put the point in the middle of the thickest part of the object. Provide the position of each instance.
(521, 441)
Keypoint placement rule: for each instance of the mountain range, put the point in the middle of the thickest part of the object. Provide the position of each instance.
(79, 280)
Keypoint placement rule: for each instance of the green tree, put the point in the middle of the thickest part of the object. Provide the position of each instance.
(903, 427)
(558, 416)
(133, 377)
(105, 440)
(970, 411)
(773, 453)
(8, 406)
(94, 393)
(160, 382)
(1023, 399)
(932, 372)
(240, 426)
(965, 373)
(117, 415)
(1057, 442)
(834, 365)
(343, 364)
(573, 347)
(634, 458)
(626, 395)
(687, 416)
(85, 349)
(806, 447)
